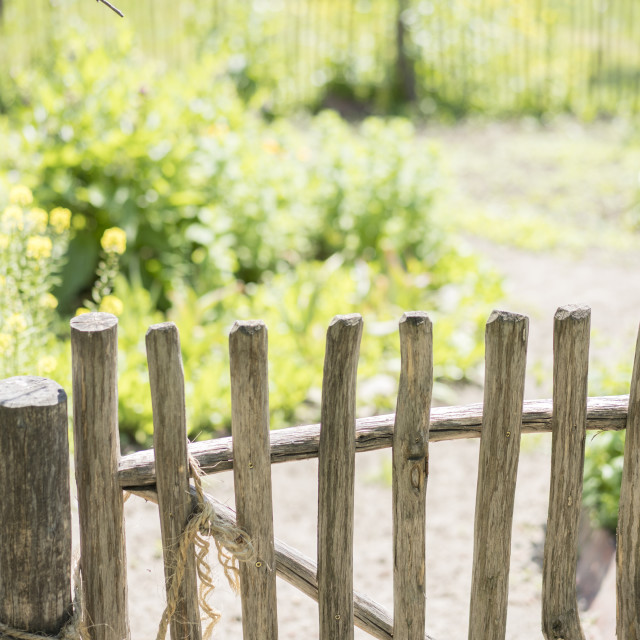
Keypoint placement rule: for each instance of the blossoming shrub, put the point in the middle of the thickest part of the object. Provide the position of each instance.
(32, 245)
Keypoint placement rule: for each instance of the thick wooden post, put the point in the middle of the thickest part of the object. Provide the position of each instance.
(35, 513)
(94, 351)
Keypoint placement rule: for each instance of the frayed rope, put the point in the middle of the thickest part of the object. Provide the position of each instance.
(232, 544)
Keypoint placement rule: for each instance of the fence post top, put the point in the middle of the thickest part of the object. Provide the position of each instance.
(415, 318)
(30, 391)
(575, 311)
(248, 327)
(94, 321)
(348, 320)
(506, 316)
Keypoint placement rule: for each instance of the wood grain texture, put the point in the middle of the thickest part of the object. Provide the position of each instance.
(560, 620)
(628, 547)
(336, 473)
(409, 476)
(166, 379)
(301, 572)
(252, 475)
(446, 423)
(35, 512)
(505, 360)
(94, 351)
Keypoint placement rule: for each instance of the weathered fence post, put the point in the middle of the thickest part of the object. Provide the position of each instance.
(166, 379)
(628, 549)
(410, 472)
(248, 348)
(35, 515)
(506, 354)
(560, 617)
(94, 351)
(336, 477)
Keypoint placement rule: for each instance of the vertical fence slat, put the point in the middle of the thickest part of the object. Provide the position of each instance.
(35, 512)
(336, 471)
(505, 360)
(410, 472)
(252, 475)
(628, 548)
(166, 379)
(570, 372)
(94, 349)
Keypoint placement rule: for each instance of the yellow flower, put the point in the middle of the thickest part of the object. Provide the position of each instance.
(39, 247)
(271, 146)
(49, 301)
(114, 240)
(112, 304)
(39, 218)
(60, 219)
(46, 365)
(5, 342)
(21, 195)
(4, 240)
(16, 323)
(12, 217)
(3, 281)
(82, 310)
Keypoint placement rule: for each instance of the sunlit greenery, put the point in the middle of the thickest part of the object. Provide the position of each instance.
(226, 215)
(170, 129)
(491, 56)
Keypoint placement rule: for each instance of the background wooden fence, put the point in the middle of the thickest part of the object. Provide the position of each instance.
(35, 542)
(498, 56)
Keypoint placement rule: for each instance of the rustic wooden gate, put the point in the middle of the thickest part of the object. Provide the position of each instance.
(34, 511)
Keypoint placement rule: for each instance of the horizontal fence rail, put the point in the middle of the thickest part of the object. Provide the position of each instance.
(608, 413)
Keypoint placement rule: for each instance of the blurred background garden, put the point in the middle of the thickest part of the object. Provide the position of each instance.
(205, 161)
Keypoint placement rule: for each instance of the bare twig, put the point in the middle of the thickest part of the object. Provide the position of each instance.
(115, 9)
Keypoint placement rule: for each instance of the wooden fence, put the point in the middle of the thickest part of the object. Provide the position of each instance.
(35, 557)
(457, 57)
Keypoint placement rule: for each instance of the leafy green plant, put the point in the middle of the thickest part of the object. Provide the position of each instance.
(604, 453)
(602, 477)
(206, 190)
(297, 306)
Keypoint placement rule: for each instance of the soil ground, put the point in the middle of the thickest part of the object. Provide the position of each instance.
(536, 283)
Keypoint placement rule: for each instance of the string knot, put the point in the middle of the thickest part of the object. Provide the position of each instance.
(232, 544)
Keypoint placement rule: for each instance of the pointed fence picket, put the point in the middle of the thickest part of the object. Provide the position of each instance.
(165, 476)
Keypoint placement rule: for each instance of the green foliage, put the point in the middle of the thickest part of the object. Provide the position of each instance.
(228, 216)
(297, 306)
(495, 57)
(604, 454)
(205, 190)
(602, 477)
